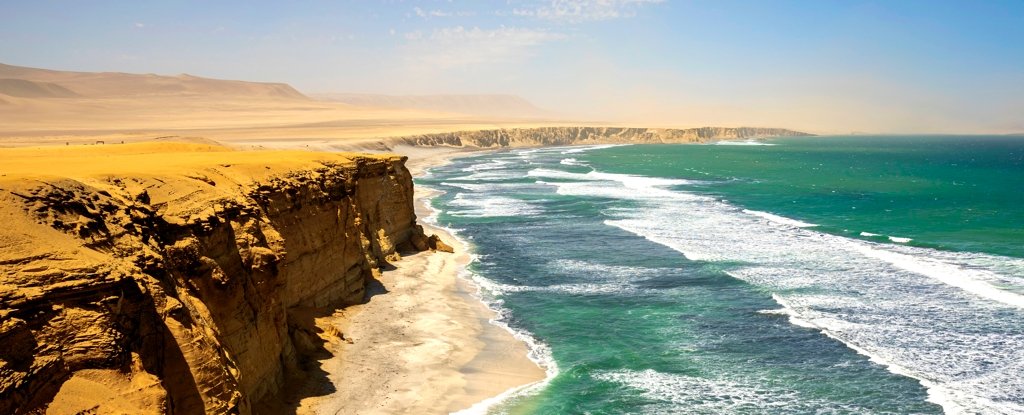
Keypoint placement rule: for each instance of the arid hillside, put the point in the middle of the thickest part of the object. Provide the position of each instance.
(42, 106)
(117, 84)
(503, 106)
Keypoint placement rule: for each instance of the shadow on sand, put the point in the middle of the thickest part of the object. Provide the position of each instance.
(308, 379)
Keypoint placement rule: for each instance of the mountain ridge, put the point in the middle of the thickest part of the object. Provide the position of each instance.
(121, 84)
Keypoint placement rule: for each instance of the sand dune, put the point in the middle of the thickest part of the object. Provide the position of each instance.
(248, 121)
(118, 107)
(33, 89)
(115, 107)
(484, 105)
(116, 84)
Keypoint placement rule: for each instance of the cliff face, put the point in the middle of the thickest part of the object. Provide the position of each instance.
(184, 293)
(560, 136)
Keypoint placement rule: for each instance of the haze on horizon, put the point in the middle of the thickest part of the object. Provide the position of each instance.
(825, 67)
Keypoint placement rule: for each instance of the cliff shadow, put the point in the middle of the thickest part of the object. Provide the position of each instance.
(375, 286)
(305, 377)
(315, 333)
(182, 391)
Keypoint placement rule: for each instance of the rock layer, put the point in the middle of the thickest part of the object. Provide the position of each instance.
(561, 136)
(185, 292)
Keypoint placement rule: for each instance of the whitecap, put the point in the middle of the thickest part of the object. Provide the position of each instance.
(572, 162)
(779, 219)
(969, 280)
(482, 205)
(580, 149)
(686, 393)
(742, 143)
(474, 187)
(494, 164)
(618, 185)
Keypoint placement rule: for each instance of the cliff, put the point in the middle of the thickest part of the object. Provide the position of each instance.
(560, 136)
(177, 278)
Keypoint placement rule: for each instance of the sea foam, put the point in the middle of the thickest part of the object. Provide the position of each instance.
(580, 149)
(951, 320)
(912, 309)
(742, 143)
(687, 393)
(779, 219)
(480, 205)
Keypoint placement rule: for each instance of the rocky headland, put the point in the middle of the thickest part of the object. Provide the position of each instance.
(181, 279)
(562, 136)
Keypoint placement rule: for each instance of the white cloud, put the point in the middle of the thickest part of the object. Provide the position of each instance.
(426, 14)
(459, 46)
(577, 11)
(140, 25)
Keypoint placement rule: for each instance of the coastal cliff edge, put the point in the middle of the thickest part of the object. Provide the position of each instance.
(179, 278)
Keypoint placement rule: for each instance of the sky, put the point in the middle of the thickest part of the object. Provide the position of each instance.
(826, 66)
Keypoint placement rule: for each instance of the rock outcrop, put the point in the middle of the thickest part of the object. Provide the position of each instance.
(183, 292)
(561, 136)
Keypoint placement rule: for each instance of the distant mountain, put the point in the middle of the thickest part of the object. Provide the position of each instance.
(18, 81)
(486, 105)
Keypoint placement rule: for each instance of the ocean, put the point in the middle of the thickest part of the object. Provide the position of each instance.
(825, 275)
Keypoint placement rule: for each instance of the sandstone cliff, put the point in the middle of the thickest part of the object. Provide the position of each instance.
(175, 279)
(560, 136)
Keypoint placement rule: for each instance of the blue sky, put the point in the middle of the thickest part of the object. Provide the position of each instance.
(825, 66)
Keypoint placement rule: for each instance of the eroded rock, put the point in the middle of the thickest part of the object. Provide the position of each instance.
(175, 294)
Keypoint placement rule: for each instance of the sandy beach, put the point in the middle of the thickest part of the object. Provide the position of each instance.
(422, 344)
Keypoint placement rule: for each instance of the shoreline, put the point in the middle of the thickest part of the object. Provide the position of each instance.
(422, 343)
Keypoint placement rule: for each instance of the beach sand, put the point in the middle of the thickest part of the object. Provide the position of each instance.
(422, 344)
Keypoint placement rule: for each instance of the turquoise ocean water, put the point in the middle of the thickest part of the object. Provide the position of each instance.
(830, 275)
